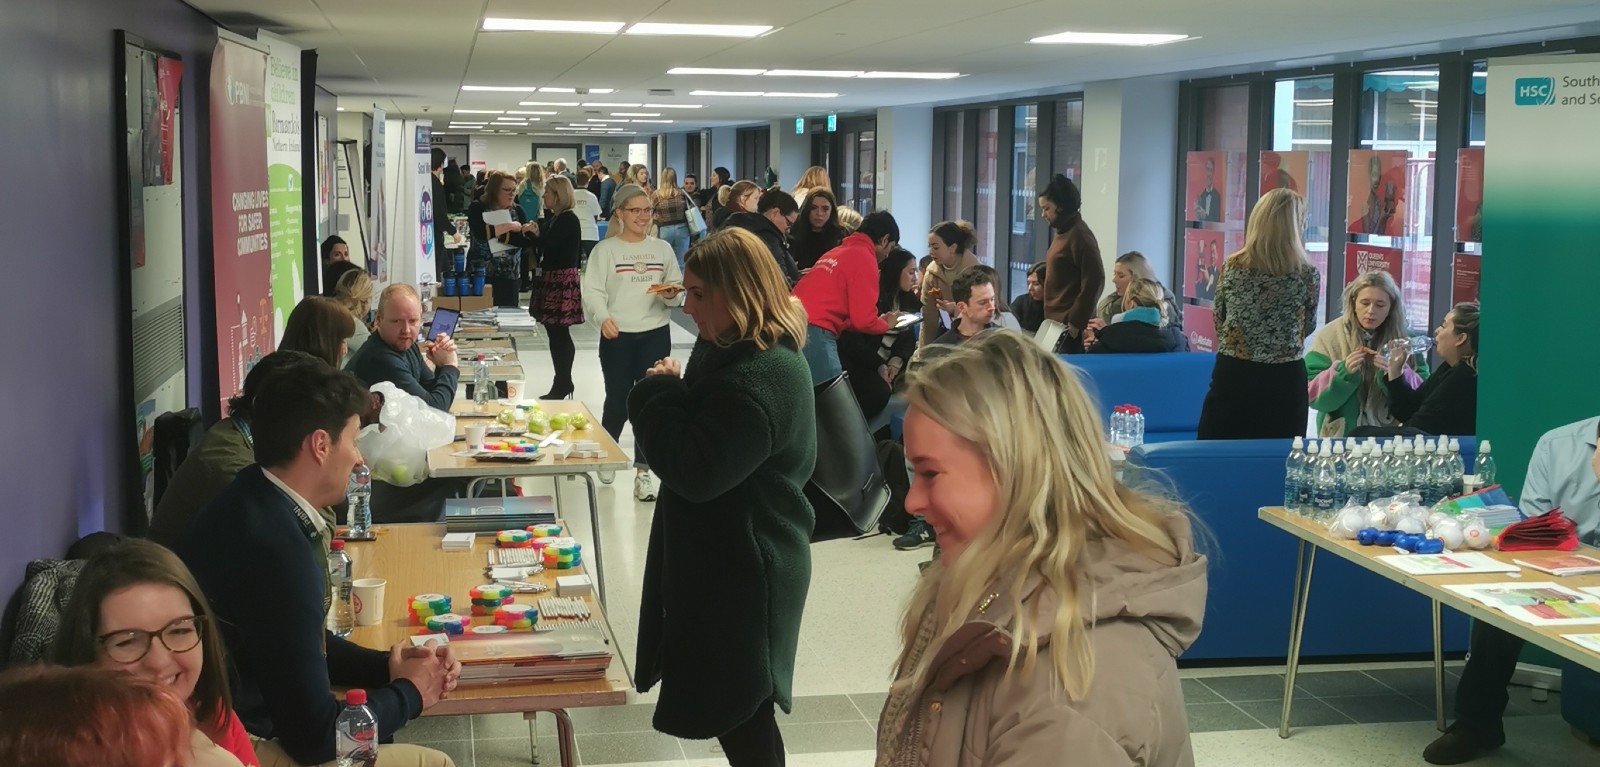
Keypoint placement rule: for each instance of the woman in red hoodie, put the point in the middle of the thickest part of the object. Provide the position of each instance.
(840, 293)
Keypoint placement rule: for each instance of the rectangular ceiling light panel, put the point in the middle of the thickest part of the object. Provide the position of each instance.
(495, 24)
(699, 30)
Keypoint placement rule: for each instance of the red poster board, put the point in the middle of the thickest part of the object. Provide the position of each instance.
(1285, 170)
(1464, 279)
(1200, 328)
(1378, 189)
(1203, 254)
(1359, 259)
(240, 220)
(1469, 195)
(1206, 187)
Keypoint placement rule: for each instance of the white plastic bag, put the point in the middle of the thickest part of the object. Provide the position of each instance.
(396, 448)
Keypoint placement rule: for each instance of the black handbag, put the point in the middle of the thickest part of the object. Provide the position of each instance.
(846, 488)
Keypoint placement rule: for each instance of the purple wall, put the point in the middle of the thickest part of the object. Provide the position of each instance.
(62, 467)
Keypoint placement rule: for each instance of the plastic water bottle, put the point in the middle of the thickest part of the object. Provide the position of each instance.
(359, 498)
(1400, 469)
(481, 385)
(356, 732)
(1356, 481)
(1293, 469)
(1326, 485)
(1443, 480)
(1307, 482)
(341, 614)
(1341, 488)
(1485, 466)
(1458, 469)
(1135, 426)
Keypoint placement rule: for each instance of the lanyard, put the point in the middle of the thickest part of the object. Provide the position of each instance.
(306, 528)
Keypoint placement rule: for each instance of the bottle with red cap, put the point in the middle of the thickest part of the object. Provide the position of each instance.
(341, 612)
(357, 732)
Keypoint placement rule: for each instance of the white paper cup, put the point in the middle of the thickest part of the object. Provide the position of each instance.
(514, 389)
(367, 598)
(475, 435)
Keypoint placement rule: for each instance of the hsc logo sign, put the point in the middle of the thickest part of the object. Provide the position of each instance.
(1535, 91)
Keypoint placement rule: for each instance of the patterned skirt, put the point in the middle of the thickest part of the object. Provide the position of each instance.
(558, 298)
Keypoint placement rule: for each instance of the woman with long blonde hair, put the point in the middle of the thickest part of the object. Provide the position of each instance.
(1048, 629)
(815, 177)
(734, 442)
(530, 191)
(1265, 307)
(1347, 361)
(672, 213)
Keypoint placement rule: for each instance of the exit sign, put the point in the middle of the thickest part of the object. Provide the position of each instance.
(799, 125)
(833, 123)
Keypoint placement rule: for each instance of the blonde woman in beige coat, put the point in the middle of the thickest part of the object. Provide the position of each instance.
(1048, 630)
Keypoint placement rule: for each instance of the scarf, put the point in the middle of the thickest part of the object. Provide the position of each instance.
(894, 735)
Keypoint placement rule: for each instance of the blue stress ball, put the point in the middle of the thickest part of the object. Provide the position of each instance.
(1386, 537)
(1430, 546)
(1367, 536)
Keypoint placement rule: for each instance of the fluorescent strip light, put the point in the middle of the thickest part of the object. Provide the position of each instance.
(547, 103)
(724, 93)
(548, 89)
(703, 30)
(622, 105)
(1109, 38)
(338, 109)
(466, 122)
(784, 95)
(603, 120)
(523, 112)
(500, 88)
(715, 71)
(814, 73)
(494, 24)
(909, 75)
(478, 111)
(632, 114)
(652, 121)
(672, 106)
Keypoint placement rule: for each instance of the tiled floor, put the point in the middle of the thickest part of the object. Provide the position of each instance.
(1369, 716)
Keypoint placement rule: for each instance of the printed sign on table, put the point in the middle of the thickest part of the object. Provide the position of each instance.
(1199, 326)
(1465, 275)
(1285, 170)
(1202, 263)
(1377, 196)
(1360, 259)
(1206, 183)
(1469, 195)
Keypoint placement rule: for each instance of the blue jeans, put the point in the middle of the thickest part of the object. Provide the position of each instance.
(676, 235)
(822, 354)
(623, 361)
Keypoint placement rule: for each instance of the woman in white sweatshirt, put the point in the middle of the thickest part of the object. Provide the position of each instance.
(619, 294)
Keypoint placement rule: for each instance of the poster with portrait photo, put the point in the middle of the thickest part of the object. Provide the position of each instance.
(1469, 195)
(1199, 326)
(1360, 259)
(1203, 252)
(1285, 170)
(1377, 198)
(1206, 184)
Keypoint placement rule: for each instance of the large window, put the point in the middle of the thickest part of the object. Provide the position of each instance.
(1024, 186)
(1067, 158)
(1302, 135)
(988, 178)
(1399, 113)
(955, 164)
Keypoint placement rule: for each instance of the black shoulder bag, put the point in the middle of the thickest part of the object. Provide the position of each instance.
(846, 488)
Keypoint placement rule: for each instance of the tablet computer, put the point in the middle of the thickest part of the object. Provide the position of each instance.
(444, 321)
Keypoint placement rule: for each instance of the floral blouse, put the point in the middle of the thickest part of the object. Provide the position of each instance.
(1264, 317)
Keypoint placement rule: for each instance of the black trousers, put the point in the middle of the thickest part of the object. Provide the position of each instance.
(1481, 697)
(757, 742)
(623, 361)
(1255, 400)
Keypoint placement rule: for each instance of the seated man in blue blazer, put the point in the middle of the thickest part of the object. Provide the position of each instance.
(1564, 473)
(392, 353)
(260, 551)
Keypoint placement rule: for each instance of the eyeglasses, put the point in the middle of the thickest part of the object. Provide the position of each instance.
(637, 211)
(181, 635)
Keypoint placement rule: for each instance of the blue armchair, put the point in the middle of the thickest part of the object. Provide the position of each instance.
(1168, 388)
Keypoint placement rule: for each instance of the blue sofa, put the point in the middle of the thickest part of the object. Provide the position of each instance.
(1353, 612)
(1168, 388)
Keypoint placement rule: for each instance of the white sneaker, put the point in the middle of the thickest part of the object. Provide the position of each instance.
(644, 486)
(607, 477)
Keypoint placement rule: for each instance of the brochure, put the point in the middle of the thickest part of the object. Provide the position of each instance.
(1463, 563)
(1562, 564)
(1537, 604)
(1590, 642)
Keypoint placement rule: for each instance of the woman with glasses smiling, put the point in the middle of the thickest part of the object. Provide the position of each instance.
(631, 284)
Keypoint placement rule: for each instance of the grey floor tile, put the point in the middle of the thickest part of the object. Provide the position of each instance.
(512, 752)
(612, 719)
(1220, 716)
(1340, 684)
(870, 704)
(1195, 692)
(833, 736)
(1376, 709)
(814, 709)
(628, 748)
(1523, 705)
(496, 726)
(1307, 712)
(434, 729)
(1254, 687)
(1415, 682)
